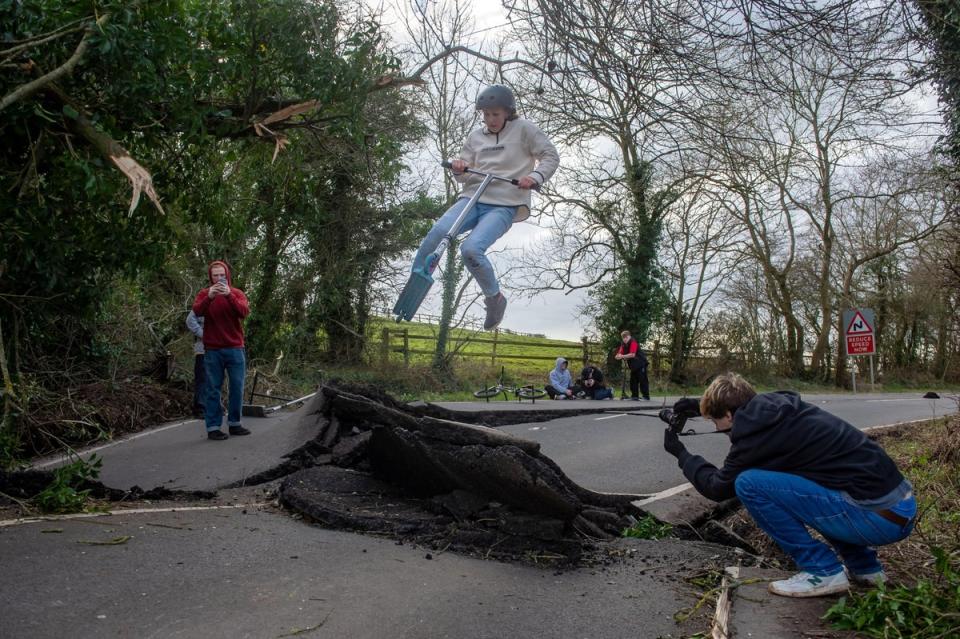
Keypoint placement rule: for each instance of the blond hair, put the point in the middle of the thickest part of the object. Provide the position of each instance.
(624, 334)
(727, 392)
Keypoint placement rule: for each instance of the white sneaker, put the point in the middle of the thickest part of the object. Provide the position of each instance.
(869, 578)
(805, 584)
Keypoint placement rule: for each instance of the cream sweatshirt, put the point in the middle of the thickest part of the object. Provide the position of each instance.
(519, 149)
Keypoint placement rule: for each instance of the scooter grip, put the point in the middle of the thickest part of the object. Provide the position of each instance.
(517, 183)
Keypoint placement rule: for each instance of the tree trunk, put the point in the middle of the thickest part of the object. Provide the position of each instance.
(451, 277)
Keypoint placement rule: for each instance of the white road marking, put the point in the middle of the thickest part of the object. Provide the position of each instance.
(600, 419)
(663, 494)
(131, 511)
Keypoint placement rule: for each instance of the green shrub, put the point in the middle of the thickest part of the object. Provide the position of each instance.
(927, 610)
(648, 528)
(64, 494)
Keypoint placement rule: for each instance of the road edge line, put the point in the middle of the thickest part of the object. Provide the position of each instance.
(7, 523)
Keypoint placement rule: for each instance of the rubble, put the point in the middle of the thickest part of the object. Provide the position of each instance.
(378, 466)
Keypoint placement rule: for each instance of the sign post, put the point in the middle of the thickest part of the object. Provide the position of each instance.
(859, 335)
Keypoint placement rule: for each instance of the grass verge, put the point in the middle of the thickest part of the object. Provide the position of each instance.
(922, 600)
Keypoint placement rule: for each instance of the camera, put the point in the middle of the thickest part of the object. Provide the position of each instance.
(675, 420)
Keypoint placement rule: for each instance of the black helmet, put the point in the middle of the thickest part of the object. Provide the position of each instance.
(497, 95)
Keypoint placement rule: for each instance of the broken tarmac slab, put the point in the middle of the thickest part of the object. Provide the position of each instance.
(684, 506)
(448, 484)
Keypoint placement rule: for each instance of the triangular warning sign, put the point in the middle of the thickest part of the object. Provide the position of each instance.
(858, 325)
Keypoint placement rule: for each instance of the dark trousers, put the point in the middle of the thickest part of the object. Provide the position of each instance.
(638, 382)
(199, 383)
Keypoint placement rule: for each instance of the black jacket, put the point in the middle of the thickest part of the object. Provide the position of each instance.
(638, 362)
(780, 432)
(592, 372)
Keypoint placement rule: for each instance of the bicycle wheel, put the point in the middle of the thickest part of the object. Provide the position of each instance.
(529, 392)
(487, 393)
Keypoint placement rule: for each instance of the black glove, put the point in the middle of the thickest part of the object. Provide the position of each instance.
(671, 443)
(687, 407)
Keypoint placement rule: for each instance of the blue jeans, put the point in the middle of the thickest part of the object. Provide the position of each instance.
(784, 505)
(231, 361)
(489, 222)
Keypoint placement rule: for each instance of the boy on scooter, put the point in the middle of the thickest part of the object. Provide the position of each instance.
(505, 145)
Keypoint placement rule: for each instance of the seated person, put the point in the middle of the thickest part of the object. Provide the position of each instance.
(796, 467)
(591, 384)
(561, 383)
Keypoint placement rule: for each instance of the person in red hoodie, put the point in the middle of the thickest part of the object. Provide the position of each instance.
(223, 309)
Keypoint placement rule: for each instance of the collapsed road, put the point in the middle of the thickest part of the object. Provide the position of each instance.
(375, 465)
(382, 467)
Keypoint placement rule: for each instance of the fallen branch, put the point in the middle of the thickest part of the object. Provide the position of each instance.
(116, 541)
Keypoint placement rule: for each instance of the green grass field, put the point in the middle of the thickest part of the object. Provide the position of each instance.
(528, 359)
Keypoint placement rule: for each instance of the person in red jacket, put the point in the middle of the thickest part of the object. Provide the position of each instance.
(637, 362)
(223, 309)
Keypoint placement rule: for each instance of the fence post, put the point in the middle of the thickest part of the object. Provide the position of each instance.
(493, 353)
(656, 357)
(406, 348)
(586, 350)
(385, 347)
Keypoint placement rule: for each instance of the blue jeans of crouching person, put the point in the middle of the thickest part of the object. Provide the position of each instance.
(786, 505)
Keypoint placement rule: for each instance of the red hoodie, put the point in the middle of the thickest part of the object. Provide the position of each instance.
(222, 315)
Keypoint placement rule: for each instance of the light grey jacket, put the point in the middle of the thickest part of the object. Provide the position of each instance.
(519, 149)
(195, 326)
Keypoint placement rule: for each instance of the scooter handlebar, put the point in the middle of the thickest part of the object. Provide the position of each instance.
(449, 165)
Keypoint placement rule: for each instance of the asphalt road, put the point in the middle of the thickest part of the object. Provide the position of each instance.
(246, 572)
(243, 573)
(624, 453)
(179, 455)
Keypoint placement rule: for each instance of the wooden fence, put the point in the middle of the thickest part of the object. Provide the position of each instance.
(394, 340)
(400, 341)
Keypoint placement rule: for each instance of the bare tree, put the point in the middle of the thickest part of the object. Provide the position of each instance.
(698, 255)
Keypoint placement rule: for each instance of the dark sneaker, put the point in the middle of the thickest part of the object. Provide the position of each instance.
(217, 435)
(496, 306)
(239, 430)
(646, 398)
(869, 578)
(634, 399)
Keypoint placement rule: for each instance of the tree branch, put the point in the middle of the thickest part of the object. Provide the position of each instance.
(26, 90)
(140, 179)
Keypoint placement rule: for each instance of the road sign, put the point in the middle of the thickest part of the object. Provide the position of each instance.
(858, 331)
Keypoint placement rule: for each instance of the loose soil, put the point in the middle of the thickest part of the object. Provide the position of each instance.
(98, 411)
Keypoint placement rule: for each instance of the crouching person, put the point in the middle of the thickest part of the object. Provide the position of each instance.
(591, 384)
(796, 468)
(561, 382)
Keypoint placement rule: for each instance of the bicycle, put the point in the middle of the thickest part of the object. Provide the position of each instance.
(527, 391)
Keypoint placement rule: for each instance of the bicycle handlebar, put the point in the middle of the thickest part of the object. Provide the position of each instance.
(448, 165)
